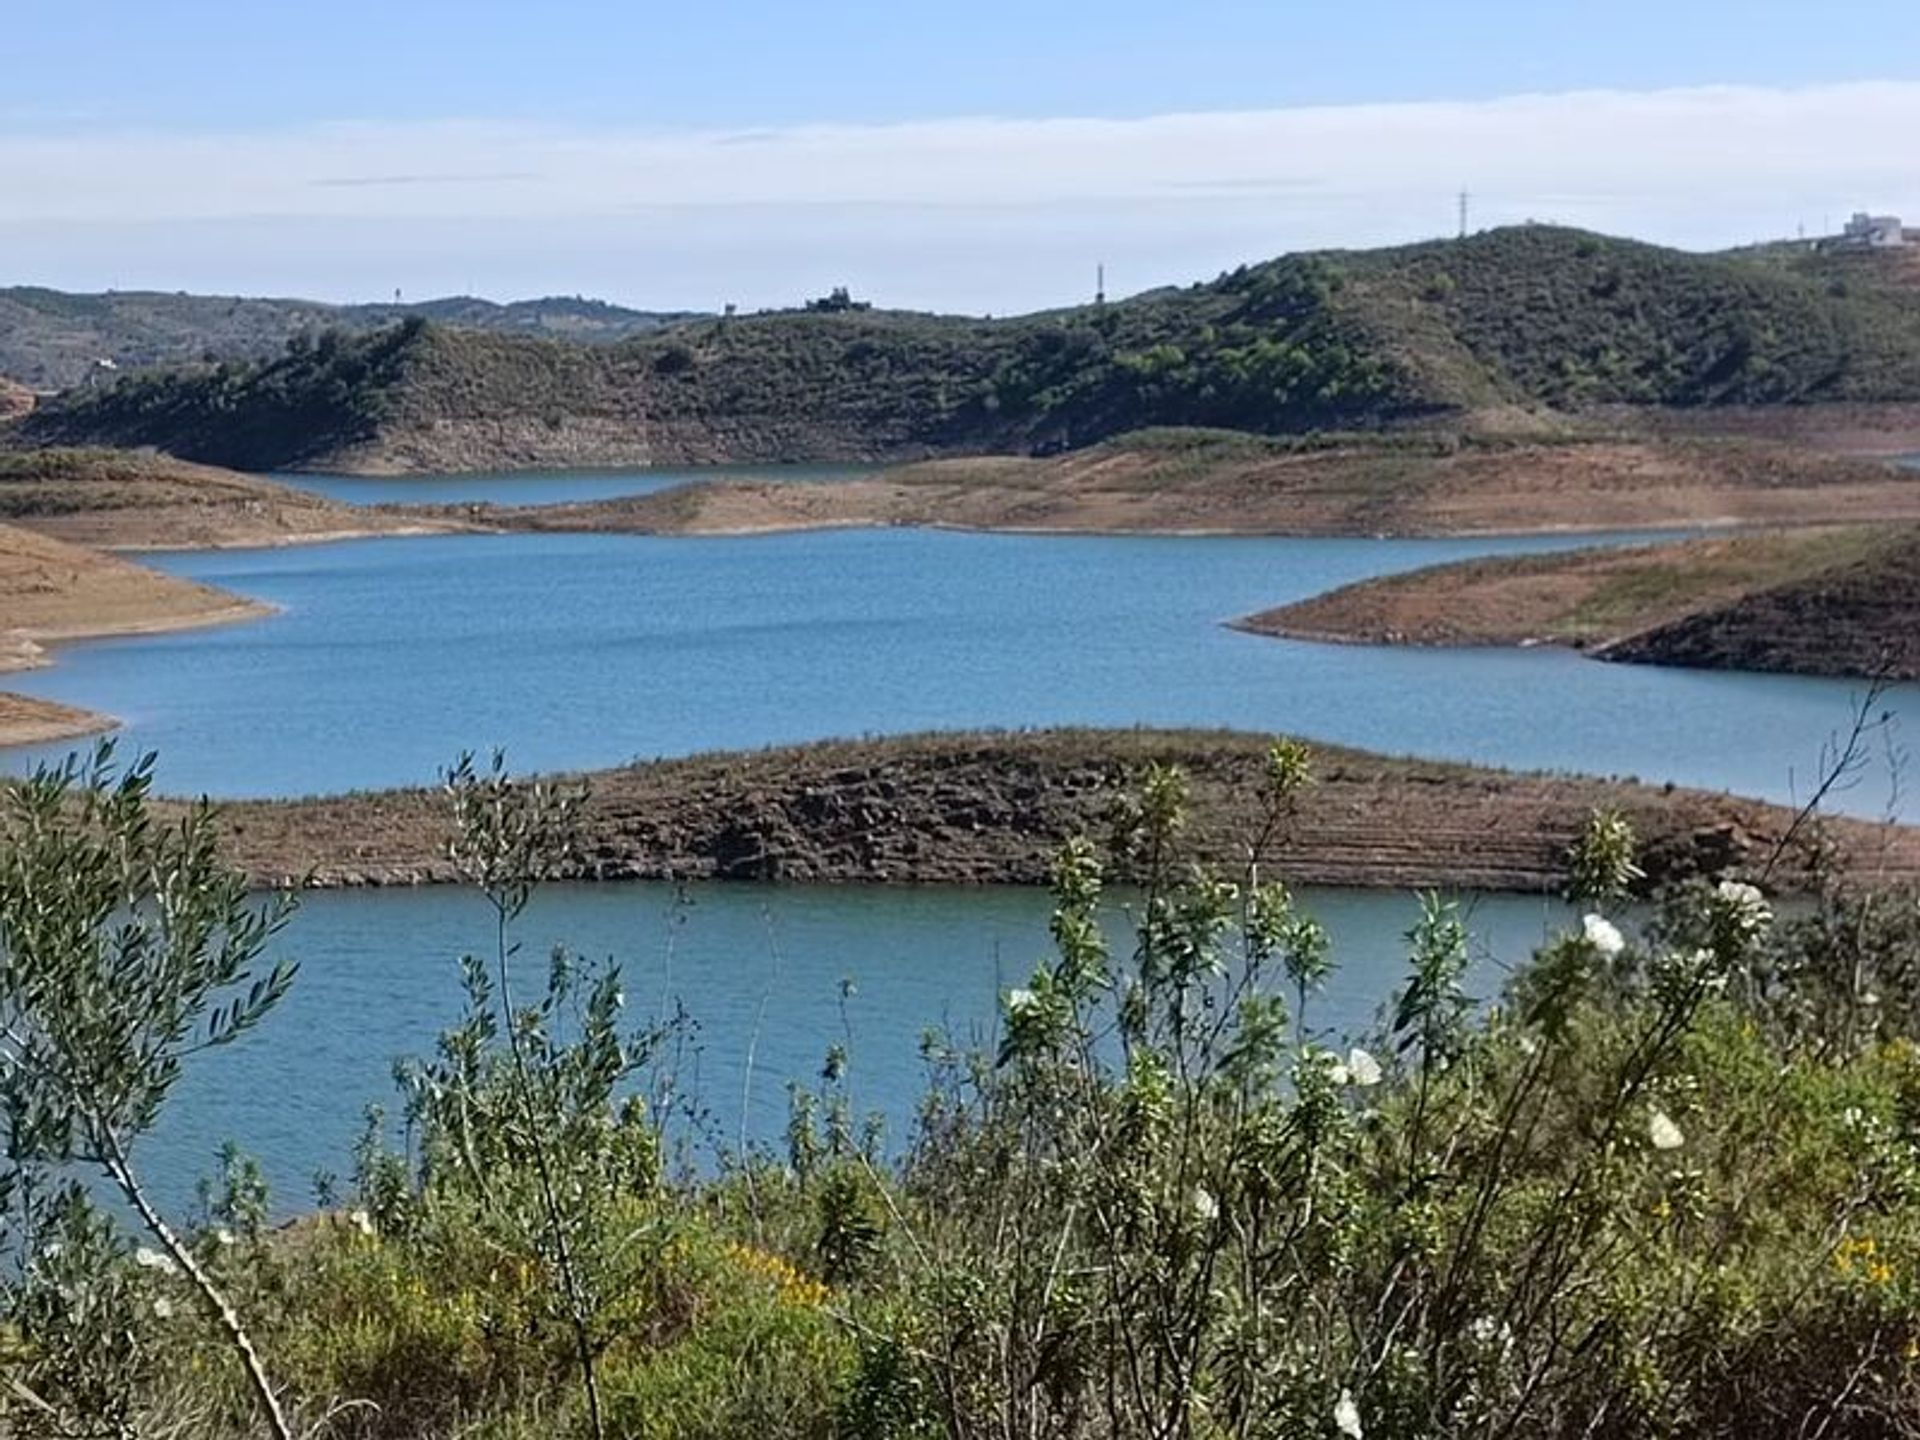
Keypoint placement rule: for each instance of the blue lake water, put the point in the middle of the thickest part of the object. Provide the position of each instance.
(544, 487)
(392, 655)
(759, 971)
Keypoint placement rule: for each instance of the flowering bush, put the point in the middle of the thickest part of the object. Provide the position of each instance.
(1666, 1182)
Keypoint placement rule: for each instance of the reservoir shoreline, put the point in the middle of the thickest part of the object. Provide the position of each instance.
(991, 808)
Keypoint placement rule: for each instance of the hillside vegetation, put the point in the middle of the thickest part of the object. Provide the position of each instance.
(51, 339)
(1835, 601)
(1504, 325)
(1657, 1180)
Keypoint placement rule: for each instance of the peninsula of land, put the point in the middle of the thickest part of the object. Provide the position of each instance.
(1841, 600)
(993, 807)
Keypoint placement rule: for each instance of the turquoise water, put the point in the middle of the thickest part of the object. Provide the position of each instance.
(389, 656)
(544, 487)
(758, 970)
(392, 655)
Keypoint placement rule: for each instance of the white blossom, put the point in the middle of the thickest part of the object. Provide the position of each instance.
(153, 1260)
(1204, 1205)
(1019, 1001)
(1346, 1416)
(1663, 1132)
(163, 1307)
(361, 1221)
(1490, 1332)
(1603, 935)
(1751, 906)
(1362, 1069)
(222, 1235)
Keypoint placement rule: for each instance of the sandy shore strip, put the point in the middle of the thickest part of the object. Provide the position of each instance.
(28, 720)
(1244, 485)
(52, 591)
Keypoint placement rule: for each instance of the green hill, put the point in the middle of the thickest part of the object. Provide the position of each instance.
(1521, 321)
(50, 339)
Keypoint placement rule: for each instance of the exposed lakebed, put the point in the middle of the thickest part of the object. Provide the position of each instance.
(546, 487)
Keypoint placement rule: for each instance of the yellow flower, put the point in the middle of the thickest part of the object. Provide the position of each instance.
(791, 1285)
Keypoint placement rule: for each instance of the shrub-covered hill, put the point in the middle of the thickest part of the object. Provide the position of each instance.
(1523, 318)
(50, 339)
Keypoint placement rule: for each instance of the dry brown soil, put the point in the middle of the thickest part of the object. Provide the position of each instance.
(51, 590)
(991, 808)
(27, 720)
(1256, 488)
(1821, 601)
(131, 500)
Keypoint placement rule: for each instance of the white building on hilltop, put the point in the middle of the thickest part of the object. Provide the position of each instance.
(1874, 232)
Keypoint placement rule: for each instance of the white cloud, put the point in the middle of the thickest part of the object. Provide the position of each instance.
(954, 212)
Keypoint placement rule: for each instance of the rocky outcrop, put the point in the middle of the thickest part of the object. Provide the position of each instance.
(16, 401)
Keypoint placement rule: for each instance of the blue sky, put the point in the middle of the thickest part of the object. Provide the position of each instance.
(680, 155)
(216, 63)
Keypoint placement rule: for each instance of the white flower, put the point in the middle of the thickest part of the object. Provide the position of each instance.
(1337, 1073)
(1490, 1332)
(1362, 1068)
(1346, 1416)
(222, 1235)
(153, 1260)
(1019, 1001)
(1204, 1205)
(1603, 935)
(1663, 1132)
(1750, 906)
(361, 1221)
(163, 1307)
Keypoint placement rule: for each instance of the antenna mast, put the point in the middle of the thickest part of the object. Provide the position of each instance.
(1464, 198)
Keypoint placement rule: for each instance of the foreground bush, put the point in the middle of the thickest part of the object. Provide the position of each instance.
(1664, 1184)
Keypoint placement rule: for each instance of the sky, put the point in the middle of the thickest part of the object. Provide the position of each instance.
(980, 158)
